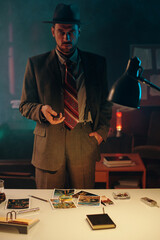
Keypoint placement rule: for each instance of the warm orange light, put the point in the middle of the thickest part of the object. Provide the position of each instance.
(119, 114)
(119, 127)
(118, 121)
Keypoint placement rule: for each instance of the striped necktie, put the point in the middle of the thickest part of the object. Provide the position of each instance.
(70, 98)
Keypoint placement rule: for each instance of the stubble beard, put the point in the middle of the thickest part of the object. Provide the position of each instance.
(67, 51)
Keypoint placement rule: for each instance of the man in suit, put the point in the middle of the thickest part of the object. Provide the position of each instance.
(62, 151)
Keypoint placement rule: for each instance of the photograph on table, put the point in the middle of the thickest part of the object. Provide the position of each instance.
(61, 204)
(89, 200)
(63, 193)
(83, 193)
(18, 203)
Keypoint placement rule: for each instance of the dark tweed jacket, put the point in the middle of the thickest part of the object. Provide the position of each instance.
(43, 85)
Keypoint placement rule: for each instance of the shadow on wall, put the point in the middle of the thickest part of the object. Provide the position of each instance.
(15, 143)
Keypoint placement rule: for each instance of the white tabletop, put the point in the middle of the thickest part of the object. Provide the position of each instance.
(134, 220)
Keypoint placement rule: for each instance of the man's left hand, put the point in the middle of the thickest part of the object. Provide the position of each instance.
(97, 136)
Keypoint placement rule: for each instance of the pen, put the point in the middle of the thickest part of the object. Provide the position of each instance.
(39, 198)
(28, 210)
(103, 211)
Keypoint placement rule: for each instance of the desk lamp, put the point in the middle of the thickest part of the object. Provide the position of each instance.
(126, 90)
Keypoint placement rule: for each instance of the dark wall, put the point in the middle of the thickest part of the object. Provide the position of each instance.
(109, 28)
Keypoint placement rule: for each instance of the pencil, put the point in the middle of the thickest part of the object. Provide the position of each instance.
(103, 211)
(39, 198)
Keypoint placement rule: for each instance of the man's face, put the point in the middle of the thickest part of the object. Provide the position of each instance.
(66, 36)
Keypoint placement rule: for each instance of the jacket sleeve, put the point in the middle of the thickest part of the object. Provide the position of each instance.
(30, 105)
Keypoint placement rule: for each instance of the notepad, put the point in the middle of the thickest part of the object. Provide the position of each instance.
(100, 221)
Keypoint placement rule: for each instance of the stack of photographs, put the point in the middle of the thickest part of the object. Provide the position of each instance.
(67, 198)
(62, 198)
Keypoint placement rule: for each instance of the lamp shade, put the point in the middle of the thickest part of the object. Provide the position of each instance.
(126, 90)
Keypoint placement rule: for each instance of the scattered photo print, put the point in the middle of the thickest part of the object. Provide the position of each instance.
(18, 203)
(63, 193)
(106, 200)
(83, 193)
(88, 200)
(57, 203)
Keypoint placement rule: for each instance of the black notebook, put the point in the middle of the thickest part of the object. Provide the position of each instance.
(117, 161)
(100, 221)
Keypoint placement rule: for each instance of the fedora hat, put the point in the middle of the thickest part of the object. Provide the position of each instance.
(67, 14)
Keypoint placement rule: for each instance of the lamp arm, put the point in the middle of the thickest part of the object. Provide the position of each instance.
(148, 83)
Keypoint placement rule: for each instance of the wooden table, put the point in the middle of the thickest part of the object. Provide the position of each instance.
(102, 173)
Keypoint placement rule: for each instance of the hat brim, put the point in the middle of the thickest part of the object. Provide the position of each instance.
(63, 21)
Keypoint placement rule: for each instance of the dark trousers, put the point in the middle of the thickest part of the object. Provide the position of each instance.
(78, 171)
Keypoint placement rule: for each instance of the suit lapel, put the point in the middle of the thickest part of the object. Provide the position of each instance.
(53, 68)
(53, 83)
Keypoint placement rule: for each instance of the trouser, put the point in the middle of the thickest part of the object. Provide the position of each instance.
(81, 154)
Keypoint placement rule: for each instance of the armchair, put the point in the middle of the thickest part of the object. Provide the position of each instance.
(150, 152)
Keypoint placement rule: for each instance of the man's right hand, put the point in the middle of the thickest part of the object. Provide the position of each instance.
(49, 114)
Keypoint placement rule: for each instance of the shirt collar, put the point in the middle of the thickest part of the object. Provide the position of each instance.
(62, 58)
